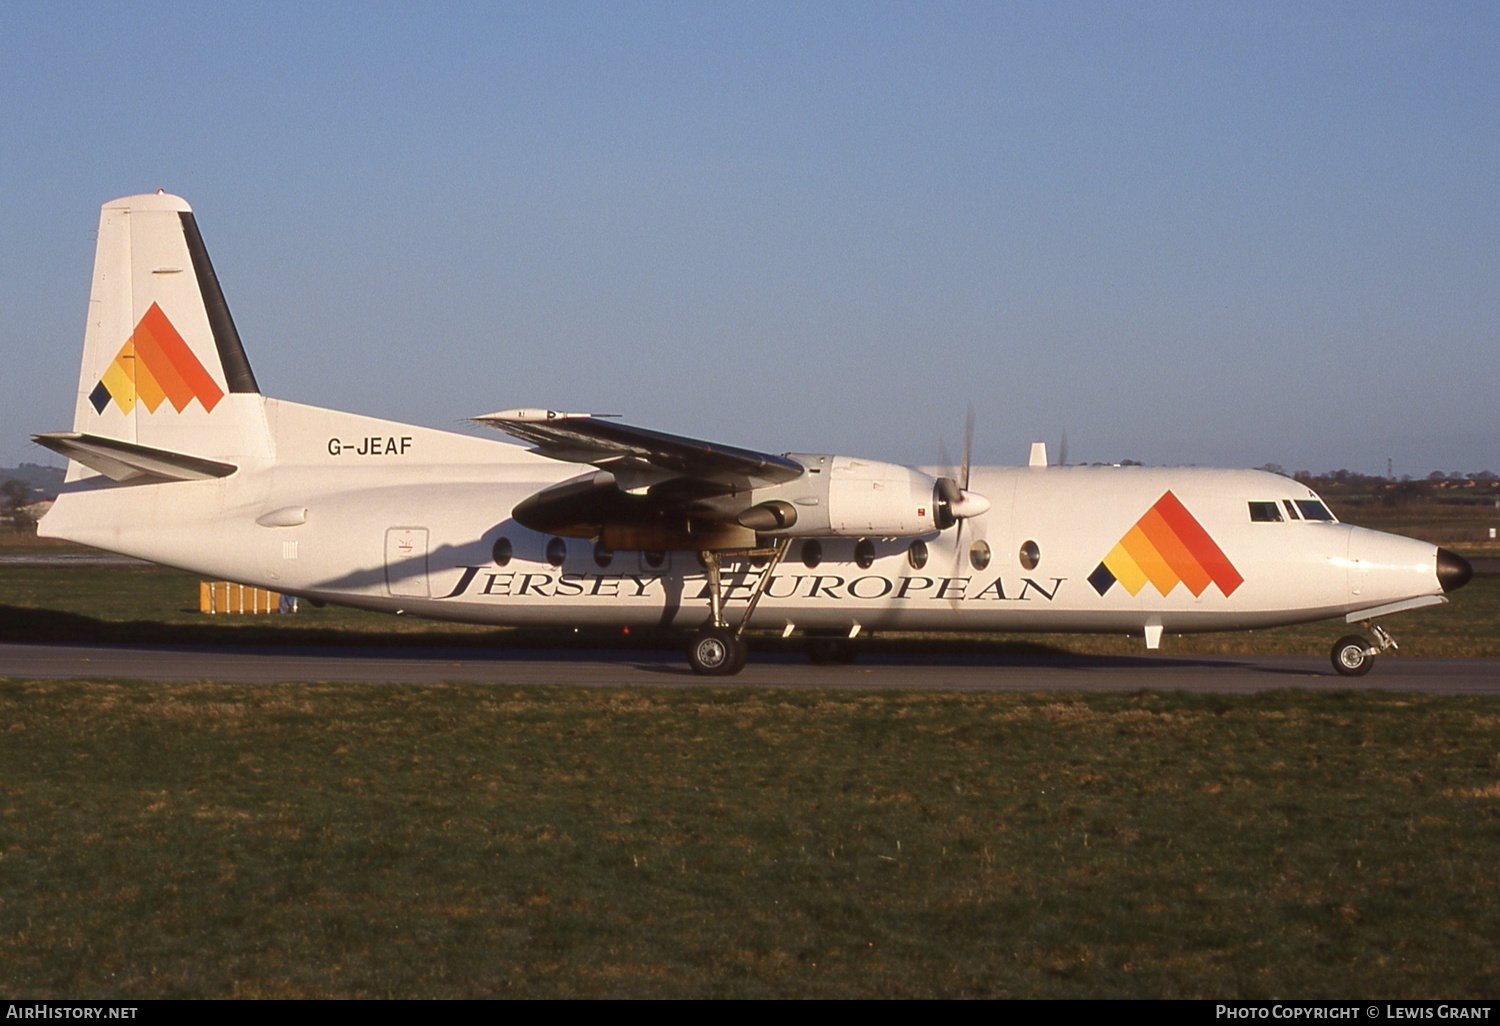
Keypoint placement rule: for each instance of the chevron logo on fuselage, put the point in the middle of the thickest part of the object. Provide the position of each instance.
(1166, 547)
(154, 366)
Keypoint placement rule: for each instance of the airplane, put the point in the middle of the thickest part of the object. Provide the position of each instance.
(176, 456)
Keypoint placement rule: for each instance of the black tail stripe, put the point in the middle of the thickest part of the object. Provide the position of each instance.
(237, 372)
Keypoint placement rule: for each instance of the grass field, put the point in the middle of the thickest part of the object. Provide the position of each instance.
(314, 840)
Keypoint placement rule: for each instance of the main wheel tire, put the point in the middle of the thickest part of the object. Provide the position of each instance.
(741, 655)
(716, 652)
(1351, 656)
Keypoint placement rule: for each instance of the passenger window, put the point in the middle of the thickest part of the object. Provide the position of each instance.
(979, 555)
(557, 551)
(1030, 555)
(1265, 513)
(917, 554)
(864, 553)
(812, 553)
(1312, 509)
(603, 556)
(502, 551)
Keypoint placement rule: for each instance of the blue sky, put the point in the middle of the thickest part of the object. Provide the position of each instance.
(1186, 233)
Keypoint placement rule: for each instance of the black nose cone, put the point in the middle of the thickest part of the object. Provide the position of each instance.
(1453, 570)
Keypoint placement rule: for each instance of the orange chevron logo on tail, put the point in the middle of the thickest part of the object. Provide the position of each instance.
(155, 365)
(1166, 547)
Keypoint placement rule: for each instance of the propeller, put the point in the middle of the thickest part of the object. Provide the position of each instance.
(952, 501)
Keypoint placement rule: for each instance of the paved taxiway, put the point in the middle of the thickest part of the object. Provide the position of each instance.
(668, 669)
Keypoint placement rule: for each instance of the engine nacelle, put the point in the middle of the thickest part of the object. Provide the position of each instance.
(837, 496)
(866, 497)
(844, 495)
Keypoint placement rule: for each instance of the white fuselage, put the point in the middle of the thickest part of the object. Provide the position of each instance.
(387, 516)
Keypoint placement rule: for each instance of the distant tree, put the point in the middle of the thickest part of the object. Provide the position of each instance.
(1437, 475)
(1273, 468)
(13, 496)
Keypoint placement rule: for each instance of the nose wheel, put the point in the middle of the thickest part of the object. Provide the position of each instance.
(1354, 656)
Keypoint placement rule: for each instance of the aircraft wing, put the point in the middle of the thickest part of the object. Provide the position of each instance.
(639, 457)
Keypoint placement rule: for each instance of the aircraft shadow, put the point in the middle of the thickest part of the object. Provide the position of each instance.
(1055, 660)
(22, 624)
(657, 651)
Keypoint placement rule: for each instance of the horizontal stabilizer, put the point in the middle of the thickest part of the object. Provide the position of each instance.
(128, 462)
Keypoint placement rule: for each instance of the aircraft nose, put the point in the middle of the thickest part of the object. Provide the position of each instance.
(1453, 570)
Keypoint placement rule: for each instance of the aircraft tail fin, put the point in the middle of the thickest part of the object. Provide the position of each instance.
(163, 366)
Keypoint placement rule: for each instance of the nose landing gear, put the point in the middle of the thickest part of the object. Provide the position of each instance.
(1354, 656)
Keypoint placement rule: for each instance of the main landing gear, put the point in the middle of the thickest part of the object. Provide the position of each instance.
(719, 650)
(1354, 656)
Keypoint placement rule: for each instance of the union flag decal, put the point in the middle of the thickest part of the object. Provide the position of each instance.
(154, 366)
(1166, 547)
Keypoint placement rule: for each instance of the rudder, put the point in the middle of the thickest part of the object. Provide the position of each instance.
(163, 364)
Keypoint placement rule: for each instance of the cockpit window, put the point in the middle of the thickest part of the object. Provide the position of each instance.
(1265, 513)
(1291, 511)
(1312, 509)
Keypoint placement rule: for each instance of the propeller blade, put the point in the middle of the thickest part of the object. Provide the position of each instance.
(952, 501)
(968, 448)
(958, 550)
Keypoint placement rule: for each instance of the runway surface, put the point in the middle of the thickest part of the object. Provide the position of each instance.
(669, 669)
